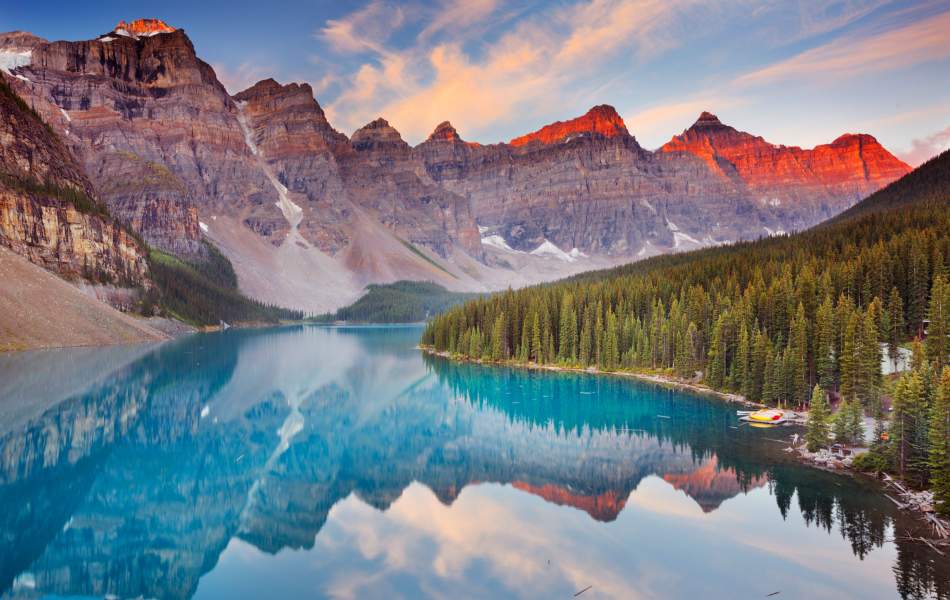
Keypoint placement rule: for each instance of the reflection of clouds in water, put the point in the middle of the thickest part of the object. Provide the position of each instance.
(652, 496)
(495, 541)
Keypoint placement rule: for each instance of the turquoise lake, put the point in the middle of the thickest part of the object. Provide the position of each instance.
(310, 462)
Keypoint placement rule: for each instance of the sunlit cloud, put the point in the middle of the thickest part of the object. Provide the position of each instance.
(924, 149)
(367, 29)
(855, 55)
(497, 71)
(536, 60)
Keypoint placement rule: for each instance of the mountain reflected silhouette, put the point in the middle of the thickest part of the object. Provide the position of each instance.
(131, 476)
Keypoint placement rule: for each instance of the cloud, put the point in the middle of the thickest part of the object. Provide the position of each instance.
(530, 64)
(367, 29)
(455, 14)
(860, 54)
(923, 149)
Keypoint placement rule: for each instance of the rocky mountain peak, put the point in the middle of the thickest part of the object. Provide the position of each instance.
(264, 87)
(17, 40)
(707, 119)
(376, 134)
(445, 132)
(601, 120)
(143, 28)
(268, 88)
(863, 139)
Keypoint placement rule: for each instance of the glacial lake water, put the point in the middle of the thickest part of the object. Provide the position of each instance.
(309, 462)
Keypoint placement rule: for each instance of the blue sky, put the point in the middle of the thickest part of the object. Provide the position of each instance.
(797, 73)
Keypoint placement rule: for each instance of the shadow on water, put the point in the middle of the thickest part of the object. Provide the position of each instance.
(134, 471)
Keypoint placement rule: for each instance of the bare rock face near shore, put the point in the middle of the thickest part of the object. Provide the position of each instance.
(40, 310)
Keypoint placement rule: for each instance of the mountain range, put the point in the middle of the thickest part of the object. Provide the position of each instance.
(308, 216)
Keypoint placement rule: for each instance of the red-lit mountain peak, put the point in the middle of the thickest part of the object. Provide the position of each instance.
(143, 27)
(602, 120)
(445, 132)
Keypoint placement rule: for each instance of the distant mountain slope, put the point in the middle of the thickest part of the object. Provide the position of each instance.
(767, 319)
(40, 310)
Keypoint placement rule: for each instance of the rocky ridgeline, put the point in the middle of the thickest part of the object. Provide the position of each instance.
(165, 146)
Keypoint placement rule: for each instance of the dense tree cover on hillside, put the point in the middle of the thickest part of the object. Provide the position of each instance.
(769, 319)
(205, 293)
(399, 302)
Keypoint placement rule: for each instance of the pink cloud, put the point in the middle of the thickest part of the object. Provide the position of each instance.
(923, 149)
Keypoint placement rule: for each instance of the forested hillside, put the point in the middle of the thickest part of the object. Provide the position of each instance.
(204, 292)
(399, 302)
(769, 319)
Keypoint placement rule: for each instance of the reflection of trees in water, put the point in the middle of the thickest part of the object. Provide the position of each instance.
(832, 502)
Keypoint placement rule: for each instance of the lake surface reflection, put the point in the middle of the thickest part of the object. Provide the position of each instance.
(306, 462)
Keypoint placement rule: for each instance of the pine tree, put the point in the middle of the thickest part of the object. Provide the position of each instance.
(839, 422)
(895, 325)
(855, 424)
(939, 459)
(524, 350)
(567, 330)
(798, 356)
(716, 365)
(851, 358)
(586, 341)
(499, 341)
(938, 332)
(759, 352)
(825, 344)
(816, 433)
(870, 360)
(611, 342)
(536, 350)
(908, 419)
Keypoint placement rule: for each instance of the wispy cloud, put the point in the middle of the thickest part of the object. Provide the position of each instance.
(862, 53)
(533, 62)
(367, 29)
(924, 149)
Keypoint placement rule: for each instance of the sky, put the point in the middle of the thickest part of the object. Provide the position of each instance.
(797, 73)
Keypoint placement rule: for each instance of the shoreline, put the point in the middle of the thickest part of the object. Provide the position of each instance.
(662, 380)
(816, 460)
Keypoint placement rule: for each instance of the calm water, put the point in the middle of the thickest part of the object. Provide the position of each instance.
(310, 462)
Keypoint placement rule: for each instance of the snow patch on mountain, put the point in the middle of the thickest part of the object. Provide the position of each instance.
(11, 59)
(548, 249)
(292, 212)
(496, 241)
(680, 238)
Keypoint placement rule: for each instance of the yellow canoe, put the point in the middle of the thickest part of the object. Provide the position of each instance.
(770, 416)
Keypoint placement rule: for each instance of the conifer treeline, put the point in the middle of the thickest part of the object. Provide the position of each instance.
(769, 319)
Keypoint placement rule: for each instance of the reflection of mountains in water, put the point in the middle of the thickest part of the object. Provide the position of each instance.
(149, 471)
